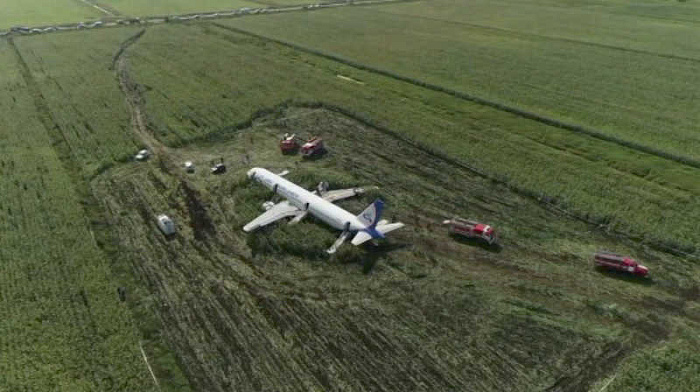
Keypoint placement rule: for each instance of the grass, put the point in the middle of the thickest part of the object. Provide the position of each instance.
(63, 326)
(636, 96)
(630, 191)
(40, 13)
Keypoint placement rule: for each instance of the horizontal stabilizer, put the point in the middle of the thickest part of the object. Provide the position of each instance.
(379, 231)
(361, 237)
(389, 227)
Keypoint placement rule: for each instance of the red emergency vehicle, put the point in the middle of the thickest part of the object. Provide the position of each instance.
(471, 229)
(313, 146)
(615, 262)
(289, 144)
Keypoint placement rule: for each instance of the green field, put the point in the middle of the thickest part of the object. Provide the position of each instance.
(611, 23)
(171, 7)
(636, 96)
(216, 309)
(63, 327)
(93, 117)
(40, 13)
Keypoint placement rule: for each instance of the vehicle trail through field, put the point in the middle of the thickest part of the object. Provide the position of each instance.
(135, 102)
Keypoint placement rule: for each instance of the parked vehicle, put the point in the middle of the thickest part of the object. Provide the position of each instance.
(142, 155)
(166, 225)
(313, 146)
(616, 262)
(471, 229)
(219, 168)
(289, 144)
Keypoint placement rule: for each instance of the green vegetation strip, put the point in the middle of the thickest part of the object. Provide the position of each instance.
(482, 101)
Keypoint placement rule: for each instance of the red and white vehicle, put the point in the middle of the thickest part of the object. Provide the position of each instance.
(289, 144)
(313, 147)
(615, 262)
(471, 229)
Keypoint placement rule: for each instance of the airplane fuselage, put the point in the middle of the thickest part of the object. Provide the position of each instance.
(299, 197)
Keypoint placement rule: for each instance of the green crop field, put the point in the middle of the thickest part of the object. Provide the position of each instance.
(213, 309)
(38, 12)
(593, 22)
(638, 96)
(63, 327)
(169, 7)
(93, 117)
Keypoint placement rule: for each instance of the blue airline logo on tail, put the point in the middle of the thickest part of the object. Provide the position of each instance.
(370, 216)
(372, 213)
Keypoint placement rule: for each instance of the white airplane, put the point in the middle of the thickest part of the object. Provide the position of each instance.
(300, 202)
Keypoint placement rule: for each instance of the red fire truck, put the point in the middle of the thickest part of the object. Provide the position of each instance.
(313, 146)
(289, 144)
(471, 229)
(615, 262)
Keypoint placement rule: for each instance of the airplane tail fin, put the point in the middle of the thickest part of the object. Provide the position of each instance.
(372, 214)
(375, 226)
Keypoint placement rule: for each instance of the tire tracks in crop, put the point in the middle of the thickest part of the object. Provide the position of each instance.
(134, 98)
(580, 129)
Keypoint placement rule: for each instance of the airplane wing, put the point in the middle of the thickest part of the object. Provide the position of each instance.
(280, 210)
(339, 194)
